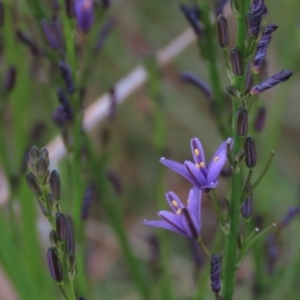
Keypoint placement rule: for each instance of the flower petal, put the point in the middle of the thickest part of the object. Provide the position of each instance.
(194, 204)
(198, 178)
(174, 201)
(177, 167)
(189, 224)
(215, 167)
(197, 151)
(165, 225)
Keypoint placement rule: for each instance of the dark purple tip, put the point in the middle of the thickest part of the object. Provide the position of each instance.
(254, 17)
(55, 184)
(242, 121)
(223, 32)
(192, 14)
(191, 78)
(215, 273)
(66, 74)
(247, 208)
(61, 226)
(250, 149)
(54, 265)
(236, 61)
(271, 82)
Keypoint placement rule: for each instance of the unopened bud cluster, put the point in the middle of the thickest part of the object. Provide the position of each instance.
(46, 186)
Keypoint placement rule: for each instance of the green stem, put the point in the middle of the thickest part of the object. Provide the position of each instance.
(204, 248)
(230, 255)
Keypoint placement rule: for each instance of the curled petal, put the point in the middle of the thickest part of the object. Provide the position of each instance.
(165, 225)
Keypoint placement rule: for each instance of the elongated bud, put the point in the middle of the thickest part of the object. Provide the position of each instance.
(236, 61)
(53, 239)
(54, 265)
(238, 161)
(260, 119)
(250, 150)
(70, 243)
(51, 34)
(10, 78)
(61, 227)
(84, 11)
(192, 15)
(247, 208)
(103, 34)
(215, 273)
(33, 184)
(67, 76)
(234, 92)
(26, 40)
(189, 77)
(55, 184)
(262, 46)
(45, 211)
(254, 17)
(242, 121)
(1, 13)
(34, 154)
(225, 207)
(45, 155)
(41, 168)
(271, 82)
(223, 33)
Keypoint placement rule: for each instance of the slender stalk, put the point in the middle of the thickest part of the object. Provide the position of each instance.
(204, 248)
(229, 268)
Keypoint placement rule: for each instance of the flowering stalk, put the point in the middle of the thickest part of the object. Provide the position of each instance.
(229, 268)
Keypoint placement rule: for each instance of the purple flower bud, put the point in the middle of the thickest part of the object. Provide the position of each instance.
(271, 82)
(247, 208)
(33, 184)
(54, 265)
(260, 119)
(250, 150)
(53, 34)
(61, 227)
(10, 78)
(66, 74)
(84, 10)
(189, 77)
(223, 33)
(290, 215)
(41, 167)
(55, 184)
(192, 14)
(236, 61)
(25, 39)
(44, 209)
(242, 121)
(254, 17)
(70, 243)
(64, 111)
(70, 8)
(34, 154)
(215, 273)
(262, 45)
(104, 32)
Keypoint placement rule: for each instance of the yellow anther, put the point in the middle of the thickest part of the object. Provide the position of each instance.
(216, 158)
(178, 211)
(175, 203)
(196, 151)
(202, 164)
(198, 166)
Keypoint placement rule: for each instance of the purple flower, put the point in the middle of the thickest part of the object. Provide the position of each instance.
(185, 220)
(84, 10)
(199, 174)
